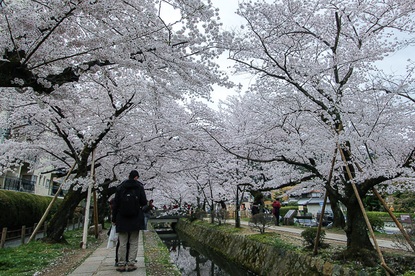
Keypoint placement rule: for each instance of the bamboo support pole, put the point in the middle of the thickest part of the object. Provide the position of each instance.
(23, 234)
(88, 205)
(3, 237)
(42, 220)
(95, 201)
(96, 214)
(388, 270)
(323, 209)
(398, 224)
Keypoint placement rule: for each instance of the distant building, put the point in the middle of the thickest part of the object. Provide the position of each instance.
(309, 201)
(36, 182)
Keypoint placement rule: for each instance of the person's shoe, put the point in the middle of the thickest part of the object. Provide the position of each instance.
(131, 267)
(121, 268)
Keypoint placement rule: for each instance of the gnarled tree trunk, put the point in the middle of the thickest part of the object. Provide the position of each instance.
(59, 221)
(356, 229)
(338, 217)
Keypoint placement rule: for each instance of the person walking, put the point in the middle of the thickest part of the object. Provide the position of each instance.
(276, 205)
(222, 211)
(148, 212)
(128, 218)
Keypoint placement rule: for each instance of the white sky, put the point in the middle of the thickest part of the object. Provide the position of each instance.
(230, 20)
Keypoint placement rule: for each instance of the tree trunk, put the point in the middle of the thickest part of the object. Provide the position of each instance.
(356, 229)
(104, 209)
(59, 221)
(338, 217)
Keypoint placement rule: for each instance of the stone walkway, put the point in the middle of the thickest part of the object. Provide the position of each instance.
(101, 262)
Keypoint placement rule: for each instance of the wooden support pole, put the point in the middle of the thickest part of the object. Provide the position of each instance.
(388, 270)
(42, 220)
(95, 205)
(323, 209)
(88, 205)
(398, 224)
(23, 234)
(96, 232)
(3, 237)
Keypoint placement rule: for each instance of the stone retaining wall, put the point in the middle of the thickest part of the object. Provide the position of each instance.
(260, 258)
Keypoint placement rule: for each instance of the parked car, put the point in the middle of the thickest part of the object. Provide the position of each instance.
(327, 218)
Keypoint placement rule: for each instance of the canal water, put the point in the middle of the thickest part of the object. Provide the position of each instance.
(194, 259)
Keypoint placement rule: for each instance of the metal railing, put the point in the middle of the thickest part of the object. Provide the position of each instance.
(19, 184)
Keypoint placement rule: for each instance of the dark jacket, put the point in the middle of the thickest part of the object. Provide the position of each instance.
(128, 224)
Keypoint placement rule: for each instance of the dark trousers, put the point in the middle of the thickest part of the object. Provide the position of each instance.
(277, 218)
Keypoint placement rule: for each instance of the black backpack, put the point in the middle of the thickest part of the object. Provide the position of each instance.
(130, 204)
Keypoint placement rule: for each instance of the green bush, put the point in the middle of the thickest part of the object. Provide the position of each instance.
(309, 236)
(377, 219)
(260, 221)
(199, 214)
(19, 208)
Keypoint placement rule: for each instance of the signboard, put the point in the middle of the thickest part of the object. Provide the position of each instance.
(405, 218)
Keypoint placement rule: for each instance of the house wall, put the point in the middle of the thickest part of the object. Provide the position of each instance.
(315, 208)
(43, 184)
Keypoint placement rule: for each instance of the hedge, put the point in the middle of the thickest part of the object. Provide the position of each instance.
(20, 208)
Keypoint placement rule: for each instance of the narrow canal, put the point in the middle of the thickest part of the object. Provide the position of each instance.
(194, 259)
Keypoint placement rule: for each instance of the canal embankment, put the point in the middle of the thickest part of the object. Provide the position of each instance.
(264, 259)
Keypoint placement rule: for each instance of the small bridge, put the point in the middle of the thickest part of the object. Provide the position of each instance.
(164, 219)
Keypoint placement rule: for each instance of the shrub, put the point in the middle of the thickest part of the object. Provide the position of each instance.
(220, 216)
(260, 221)
(309, 236)
(199, 214)
(376, 220)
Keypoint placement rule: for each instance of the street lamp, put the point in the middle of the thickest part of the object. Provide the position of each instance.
(237, 210)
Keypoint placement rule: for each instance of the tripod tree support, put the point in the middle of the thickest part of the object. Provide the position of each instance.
(42, 220)
(387, 269)
(323, 209)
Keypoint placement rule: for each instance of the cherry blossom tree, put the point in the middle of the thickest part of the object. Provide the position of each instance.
(75, 69)
(190, 168)
(314, 99)
(47, 44)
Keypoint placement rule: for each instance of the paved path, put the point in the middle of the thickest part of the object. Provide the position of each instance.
(329, 236)
(101, 262)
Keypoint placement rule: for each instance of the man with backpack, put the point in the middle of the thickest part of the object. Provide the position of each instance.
(128, 218)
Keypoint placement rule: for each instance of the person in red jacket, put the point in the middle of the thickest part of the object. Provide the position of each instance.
(276, 205)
